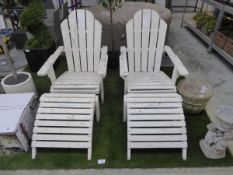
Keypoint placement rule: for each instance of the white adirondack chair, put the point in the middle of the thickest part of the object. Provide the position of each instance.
(152, 107)
(140, 62)
(86, 60)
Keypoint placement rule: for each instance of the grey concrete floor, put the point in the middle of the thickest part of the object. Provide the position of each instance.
(157, 171)
(204, 66)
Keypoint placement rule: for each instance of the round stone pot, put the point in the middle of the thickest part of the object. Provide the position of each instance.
(195, 95)
(23, 84)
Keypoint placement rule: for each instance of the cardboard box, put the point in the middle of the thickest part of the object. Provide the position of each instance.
(17, 115)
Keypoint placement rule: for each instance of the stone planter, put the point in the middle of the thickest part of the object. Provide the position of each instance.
(195, 95)
(24, 84)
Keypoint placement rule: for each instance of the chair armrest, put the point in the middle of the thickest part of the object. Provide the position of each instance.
(102, 70)
(123, 63)
(176, 61)
(44, 70)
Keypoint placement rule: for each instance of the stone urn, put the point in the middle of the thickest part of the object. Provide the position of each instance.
(195, 94)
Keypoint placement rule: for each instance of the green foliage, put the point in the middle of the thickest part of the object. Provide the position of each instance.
(210, 24)
(42, 39)
(115, 4)
(31, 19)
(201, 18)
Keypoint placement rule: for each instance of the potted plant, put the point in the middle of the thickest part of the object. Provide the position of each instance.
(200, 19)
(112, 5)
(16, 82)
(210, 25)
(40, 44)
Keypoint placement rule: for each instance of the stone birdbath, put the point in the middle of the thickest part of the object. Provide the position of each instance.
(219, 134)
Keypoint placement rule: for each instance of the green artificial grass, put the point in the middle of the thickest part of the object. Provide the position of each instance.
(109, 140)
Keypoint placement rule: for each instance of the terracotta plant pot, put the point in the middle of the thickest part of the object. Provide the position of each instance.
(229, 46)
(220, 40)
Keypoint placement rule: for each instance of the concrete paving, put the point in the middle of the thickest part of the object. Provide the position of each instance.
(165, 171)
(202, 65)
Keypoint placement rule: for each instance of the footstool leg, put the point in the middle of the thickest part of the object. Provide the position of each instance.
(184, 153)
(97, 109)
(89, 154)
(128, 154)
(102, 91)
(34, 152)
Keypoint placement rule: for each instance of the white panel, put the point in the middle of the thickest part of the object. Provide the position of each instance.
(74, 40)
(63, 117)
(90, 41)
(81, 17)
(160, 44)
(67, 43)
(146, 22)
(157, 144)
(61, 137)
(46, 144)
(97, 44)
(153, 40)
(137, 40)
(62, 130)
(130, 45)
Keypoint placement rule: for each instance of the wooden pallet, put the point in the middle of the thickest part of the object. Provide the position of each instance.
(65, 121)
(155, 121)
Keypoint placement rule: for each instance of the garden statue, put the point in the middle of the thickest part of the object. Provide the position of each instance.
(220, 133)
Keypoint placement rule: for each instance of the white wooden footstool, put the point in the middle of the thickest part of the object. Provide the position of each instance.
(65, 121)
(155, 121)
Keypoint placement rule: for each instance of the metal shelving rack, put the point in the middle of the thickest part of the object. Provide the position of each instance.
(210, 40)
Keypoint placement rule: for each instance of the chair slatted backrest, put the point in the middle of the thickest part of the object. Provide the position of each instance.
(146, 34)
(81, 34)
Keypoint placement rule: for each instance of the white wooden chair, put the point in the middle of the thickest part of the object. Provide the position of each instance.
(86, 60)
(140, 62)
(152, 107)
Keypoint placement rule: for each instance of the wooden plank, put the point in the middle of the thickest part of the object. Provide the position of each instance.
(63, 117)
(145, 87)
(68, 100)
(90, 40)
(74, 124)
(73, 82)
(155, 111)
(59, 130)
(67, 105)
(149, 96)
(159, 138)
(156, 130)
(50, 95)
(86, 91)
(150, 124)
(153, 40)
(140, 100)
(81, 17)
(137, 40)
(97, 44)
(65, 137)
(143, 91)
(76, 86)
(157, 144)
(160, 44)
(74, 40)
(67, 43)
(163, 117)
(47, 144)
(154, 105)
(130, 45)
(146, 22)
(65, 111)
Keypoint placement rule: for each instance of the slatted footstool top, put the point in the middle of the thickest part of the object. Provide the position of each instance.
(155, 121)
(65, 121)
(150, 82)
